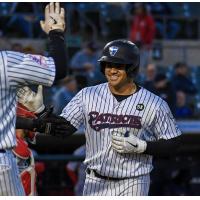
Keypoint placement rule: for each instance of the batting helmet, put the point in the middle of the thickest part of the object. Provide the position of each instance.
(121, 52)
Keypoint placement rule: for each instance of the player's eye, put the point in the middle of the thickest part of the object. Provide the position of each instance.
(115, 65)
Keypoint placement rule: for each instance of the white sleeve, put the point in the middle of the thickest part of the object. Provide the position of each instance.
(164, 125)
(73, 112)
(27, 69)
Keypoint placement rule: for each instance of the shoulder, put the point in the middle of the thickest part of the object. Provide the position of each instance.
(95, 89)
(153, 100)
(14, 54)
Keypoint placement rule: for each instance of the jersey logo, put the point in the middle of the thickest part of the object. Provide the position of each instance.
(38, 59)
(113, 50)
(140, 107)
(99, 121)
(133, 145)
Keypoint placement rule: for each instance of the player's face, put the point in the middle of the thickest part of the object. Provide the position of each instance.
(116, 74)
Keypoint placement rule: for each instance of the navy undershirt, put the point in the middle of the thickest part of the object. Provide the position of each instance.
(122, 97)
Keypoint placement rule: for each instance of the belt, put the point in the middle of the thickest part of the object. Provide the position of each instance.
(2, 151)
(88, 171)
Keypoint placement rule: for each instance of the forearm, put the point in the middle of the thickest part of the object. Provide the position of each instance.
(24, 123)
(163, 147)
(57, 50)
(50, 125)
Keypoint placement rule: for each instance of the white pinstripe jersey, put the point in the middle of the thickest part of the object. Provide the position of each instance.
(16, 70)
(143, 114)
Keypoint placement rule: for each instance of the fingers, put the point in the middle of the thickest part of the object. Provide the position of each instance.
(117, 138)
(20, 93)
(25, 91)
(57, 7)
(117, 148)
(62, 13)
(42, 24)
(40, 91)
(47, 10)
(54, 18)
(117, 143)
(51, 7)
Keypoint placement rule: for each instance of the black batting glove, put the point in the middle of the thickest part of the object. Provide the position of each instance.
(55, 126)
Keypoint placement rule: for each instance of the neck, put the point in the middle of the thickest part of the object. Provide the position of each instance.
(126, 89)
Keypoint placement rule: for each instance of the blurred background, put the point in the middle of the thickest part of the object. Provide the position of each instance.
(168, 35)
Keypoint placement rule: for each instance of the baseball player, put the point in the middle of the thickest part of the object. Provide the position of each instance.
(23, 154)
(17, 70)
(125, 125)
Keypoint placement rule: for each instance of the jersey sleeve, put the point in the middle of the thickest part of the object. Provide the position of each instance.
(73, 112)
(28, 69)
(164, 125)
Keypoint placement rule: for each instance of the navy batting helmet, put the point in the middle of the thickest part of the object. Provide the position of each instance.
(121, 52)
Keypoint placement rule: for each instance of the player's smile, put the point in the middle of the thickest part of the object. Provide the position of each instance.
(115, 75)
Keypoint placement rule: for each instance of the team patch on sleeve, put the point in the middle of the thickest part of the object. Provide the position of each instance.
(41, 60)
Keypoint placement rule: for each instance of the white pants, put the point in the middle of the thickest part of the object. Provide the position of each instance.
(137, 186)
(10, 182)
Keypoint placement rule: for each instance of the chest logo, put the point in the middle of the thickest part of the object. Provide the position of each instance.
(99, 121)
(113, 50)
(140, 107)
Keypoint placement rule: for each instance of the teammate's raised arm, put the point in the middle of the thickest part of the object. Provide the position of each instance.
(54, 26)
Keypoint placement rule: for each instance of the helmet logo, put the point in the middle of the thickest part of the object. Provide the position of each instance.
(113, 50)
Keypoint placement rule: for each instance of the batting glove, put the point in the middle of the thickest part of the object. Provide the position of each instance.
(31, 100)
(54, 18)
(129, 144)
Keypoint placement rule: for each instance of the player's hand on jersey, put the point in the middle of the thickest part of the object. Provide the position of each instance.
(127, 143)
(31, 100)
(54, 18)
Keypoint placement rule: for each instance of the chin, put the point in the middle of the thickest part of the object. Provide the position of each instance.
(114, 83)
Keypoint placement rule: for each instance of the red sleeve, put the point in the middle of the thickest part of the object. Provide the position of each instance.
(133, 29)
(73, 176)
(151, 30)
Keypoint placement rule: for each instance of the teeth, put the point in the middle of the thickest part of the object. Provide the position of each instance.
(114, 77)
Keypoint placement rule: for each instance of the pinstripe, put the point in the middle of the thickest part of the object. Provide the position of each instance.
(16, 69)
(107, 157)
(95, 187)
(17, 83)
(86, 186)
(143, 169)
(24, 73)
(111, 103)
(94, 137)
(12, 66)
(108, 188)
(86, 130)
(102, 138)
(99, 154)
(133, 103)
(88, 135)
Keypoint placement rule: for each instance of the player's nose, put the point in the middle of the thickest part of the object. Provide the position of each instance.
(113, 70)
